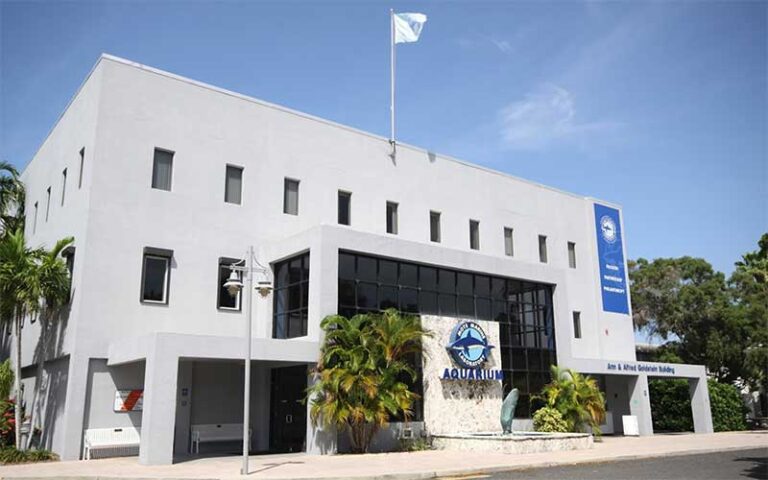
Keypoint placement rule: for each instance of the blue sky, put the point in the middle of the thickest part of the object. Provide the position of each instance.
(660, 106)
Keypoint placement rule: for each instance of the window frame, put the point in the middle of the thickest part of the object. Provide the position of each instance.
(392, 219)
(435, 234)
(154, 166)
(286, 182)
(47, 203)
(543, 255)
(474, 234)
(572, 255)
(82, 164)
(509, 241)
(227, 168)
(577, 331)
(341, 196)
(226, 263)
(34, 224)
(63, 186)
(156, 253)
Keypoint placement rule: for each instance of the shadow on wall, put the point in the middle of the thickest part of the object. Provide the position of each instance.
(49, 377)
(52, 401)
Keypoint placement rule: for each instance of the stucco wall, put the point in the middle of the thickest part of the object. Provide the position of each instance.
(103, 382)
(455, 406)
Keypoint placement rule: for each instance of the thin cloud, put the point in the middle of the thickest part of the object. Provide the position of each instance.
(547, 117)
(505, 47)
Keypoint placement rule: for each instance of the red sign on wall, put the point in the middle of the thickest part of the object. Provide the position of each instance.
(129, 400)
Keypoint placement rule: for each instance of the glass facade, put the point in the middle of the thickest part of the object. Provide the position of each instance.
(523, 309)
(291, 302)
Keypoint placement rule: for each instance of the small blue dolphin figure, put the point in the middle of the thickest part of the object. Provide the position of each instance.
(467, 342)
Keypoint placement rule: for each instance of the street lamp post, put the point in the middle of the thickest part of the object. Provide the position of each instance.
(234, 286)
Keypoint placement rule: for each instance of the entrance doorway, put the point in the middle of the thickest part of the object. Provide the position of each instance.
(288, 416)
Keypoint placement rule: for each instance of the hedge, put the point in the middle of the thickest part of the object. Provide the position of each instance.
(671, 406)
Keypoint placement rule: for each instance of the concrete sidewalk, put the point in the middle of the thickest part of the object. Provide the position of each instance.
(416, 465)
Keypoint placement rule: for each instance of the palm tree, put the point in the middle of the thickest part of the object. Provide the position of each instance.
(11, 199)
(577, 397)
(361, 371)
(53, 277)
(19, 297)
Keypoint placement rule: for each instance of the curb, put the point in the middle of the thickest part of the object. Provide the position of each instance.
(424, 475)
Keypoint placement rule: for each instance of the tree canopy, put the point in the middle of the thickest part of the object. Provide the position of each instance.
(706, 318)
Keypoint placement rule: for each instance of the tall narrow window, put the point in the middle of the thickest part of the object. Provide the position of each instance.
(47, 203)
(63, 185)
(34, 222)
(543, 248)
(82, 164)
(155, 275)
(434, 226)
(577, 324)
(233, 184)
(509, 246)
(69, 256)
(162, 169)
(392, 217)
(226, 301)
(571, 254)
(474, 235)
(291, 197)
(291, 298)
(345, 204)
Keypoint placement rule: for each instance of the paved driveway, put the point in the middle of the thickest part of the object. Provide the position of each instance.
(740, 464)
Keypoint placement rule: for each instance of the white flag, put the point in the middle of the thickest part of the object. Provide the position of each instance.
(408, 26)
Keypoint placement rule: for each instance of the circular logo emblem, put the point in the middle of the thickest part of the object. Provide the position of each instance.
(608, 229)
(468, 345)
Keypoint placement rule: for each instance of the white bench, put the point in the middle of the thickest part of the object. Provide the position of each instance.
(110, 438)
(217, 432)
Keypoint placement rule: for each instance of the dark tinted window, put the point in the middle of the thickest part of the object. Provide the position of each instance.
(291, 300)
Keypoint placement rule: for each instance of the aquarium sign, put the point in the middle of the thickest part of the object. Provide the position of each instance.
(469, 349)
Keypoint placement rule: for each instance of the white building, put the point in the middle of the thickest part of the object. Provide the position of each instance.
(164, 181)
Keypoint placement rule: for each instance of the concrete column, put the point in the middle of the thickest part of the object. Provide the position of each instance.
(323, 284)
(183, 408)
(319, 441)
(700, 408)
(159, 416)
(74, 407)
(640, 403)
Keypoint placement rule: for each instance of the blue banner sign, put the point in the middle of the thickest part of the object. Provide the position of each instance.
(610, 252)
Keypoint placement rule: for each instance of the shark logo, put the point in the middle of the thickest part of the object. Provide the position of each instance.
(468, 345)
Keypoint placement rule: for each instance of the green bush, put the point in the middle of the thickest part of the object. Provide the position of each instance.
(11, 455)
(548, 419)
(728, 410)
(671, 406)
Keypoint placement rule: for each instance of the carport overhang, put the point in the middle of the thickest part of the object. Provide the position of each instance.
(638, 373)
(162, 352)
(143, 347)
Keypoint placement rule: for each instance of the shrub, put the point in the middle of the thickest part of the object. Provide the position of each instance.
(7, 423)
(728, 410)
(670, 405)
(417, 444)
(576, 397)
(548, 419)
(11, 455)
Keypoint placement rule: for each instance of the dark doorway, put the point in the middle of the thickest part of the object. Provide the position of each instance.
(288, 415)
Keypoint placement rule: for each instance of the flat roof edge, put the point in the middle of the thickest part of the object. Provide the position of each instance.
(207, 86)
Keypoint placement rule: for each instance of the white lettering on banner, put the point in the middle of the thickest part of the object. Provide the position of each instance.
(613, 289)
(612, 267)
(615, 279)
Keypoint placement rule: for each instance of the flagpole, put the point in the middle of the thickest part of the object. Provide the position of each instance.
(392, 79)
